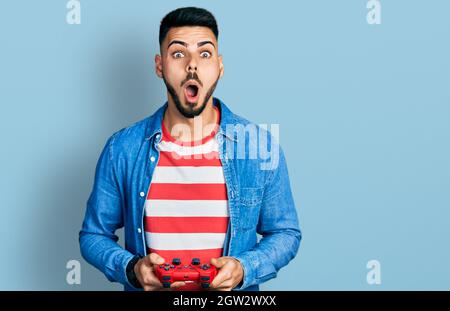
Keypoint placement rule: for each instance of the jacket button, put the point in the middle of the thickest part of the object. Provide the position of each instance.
(152, 159)
(142, 194)
(139, 230)
(157, 136)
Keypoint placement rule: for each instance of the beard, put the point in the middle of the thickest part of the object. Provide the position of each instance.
(190, 110)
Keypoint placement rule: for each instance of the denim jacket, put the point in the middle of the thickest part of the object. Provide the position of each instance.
(259, 198)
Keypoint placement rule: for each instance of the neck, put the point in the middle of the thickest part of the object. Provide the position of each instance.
(190, 129)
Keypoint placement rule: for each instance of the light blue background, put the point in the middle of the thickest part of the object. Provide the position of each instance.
(363, 113)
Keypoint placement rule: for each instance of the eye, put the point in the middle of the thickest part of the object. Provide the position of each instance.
(205, 54)
(178, 54)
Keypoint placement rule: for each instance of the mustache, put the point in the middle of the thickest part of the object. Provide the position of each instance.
(192, 76)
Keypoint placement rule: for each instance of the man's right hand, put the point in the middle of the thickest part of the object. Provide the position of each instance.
(145, 273)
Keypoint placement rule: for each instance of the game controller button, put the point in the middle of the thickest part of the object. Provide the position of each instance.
(205, 285)
(166, 285)
(196, 261)
(176, 261)
(204, 278)
(166, 278)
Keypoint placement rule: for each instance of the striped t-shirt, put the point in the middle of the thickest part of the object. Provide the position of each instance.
(186, 209)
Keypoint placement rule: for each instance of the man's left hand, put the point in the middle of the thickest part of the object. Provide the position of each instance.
(230, 273)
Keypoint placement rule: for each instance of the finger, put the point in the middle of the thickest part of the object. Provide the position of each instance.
(148, 288)
(149, 278)
(173, 286)
(152, 284)
(177, 284)
(226, 285)
(155, 259)
(222, 289)
(223, 275)
(218, 262)
(153, 281)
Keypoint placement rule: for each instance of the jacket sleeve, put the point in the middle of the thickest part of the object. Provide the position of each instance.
(279, 227)
(104, 215)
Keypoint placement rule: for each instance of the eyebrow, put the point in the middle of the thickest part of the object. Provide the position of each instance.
(199, 44)
(205, 42)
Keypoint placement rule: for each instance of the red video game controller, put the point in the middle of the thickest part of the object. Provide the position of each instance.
(202, 274)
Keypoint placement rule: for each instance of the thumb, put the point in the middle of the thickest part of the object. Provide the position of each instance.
(218, 262)
(155, 259)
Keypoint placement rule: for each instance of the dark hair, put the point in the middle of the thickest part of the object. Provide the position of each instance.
(189, 16)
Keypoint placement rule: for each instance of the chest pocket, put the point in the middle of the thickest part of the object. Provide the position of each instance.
(249, 205)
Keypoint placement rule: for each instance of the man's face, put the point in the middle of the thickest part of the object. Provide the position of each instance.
(190, 66)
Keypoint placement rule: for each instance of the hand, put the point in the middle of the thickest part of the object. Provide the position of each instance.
(230, 273)
(145, 273)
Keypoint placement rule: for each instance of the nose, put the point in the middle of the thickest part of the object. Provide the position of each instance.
(192, 65)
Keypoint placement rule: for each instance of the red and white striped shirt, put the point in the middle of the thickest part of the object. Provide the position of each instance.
(186, 209)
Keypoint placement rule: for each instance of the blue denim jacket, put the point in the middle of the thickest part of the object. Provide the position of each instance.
(259, 199)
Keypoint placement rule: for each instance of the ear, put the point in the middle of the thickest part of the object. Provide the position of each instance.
(158, 66)
(221, 70)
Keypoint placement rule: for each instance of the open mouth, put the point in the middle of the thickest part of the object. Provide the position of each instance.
(191, 93)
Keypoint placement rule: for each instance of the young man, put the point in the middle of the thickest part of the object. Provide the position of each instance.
(186, 182)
